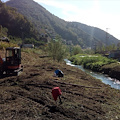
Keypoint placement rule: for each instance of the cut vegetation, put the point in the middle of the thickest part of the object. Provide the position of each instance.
(28, 96)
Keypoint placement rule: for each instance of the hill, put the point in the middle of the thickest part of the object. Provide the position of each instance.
(28, 96)
(97, 36)
(71, 32)
(15, 25)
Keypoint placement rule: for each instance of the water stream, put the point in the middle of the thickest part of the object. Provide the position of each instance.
(104, 78)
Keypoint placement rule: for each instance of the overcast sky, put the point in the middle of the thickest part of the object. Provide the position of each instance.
(104, 14)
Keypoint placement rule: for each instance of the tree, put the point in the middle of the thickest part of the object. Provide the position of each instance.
(56, 49)
(76, 50)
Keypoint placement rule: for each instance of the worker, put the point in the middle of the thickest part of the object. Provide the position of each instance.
(56, 92)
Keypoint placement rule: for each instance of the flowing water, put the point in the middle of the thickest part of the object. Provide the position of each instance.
(104, 78)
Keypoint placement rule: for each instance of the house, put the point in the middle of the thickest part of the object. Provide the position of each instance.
(27, 46)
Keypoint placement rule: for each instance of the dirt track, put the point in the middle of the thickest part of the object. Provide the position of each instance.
(28, 96)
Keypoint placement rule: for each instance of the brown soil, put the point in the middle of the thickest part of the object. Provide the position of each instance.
(28, 96)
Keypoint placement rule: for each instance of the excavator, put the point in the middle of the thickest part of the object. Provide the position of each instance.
(11, 64)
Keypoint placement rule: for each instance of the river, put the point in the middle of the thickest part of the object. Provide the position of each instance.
(104, 78)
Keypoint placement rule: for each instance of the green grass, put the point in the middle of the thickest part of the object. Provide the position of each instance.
(93, 62)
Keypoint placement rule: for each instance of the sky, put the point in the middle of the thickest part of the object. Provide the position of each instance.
(104, 14)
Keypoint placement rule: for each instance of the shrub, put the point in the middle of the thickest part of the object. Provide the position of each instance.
(56, 50)
(4, 45)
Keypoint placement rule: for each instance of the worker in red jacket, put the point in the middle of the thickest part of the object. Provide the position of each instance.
(56, 92)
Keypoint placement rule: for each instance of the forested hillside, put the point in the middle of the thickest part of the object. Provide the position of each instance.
(95, 32)
(71, 32)
(43, 20)
(15, 25)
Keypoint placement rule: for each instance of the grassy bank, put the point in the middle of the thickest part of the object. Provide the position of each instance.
(93, 62)
(98, 63)
(29, 97)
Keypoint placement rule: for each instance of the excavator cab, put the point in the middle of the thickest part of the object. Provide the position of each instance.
(13, 60)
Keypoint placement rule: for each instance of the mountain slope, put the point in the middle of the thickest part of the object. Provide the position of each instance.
(15, 23)
(97, 33)
(71, 32)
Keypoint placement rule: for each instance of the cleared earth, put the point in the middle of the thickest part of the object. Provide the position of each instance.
(28, 96)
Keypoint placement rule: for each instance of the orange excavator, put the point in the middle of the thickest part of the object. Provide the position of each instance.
(11, 64)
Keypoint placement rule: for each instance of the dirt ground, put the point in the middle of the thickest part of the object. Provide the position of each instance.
(28, 96)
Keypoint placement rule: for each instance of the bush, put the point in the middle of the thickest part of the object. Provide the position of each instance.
(56, 50)
(4, 45)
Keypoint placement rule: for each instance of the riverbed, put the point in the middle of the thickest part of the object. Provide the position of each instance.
(114, 83)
